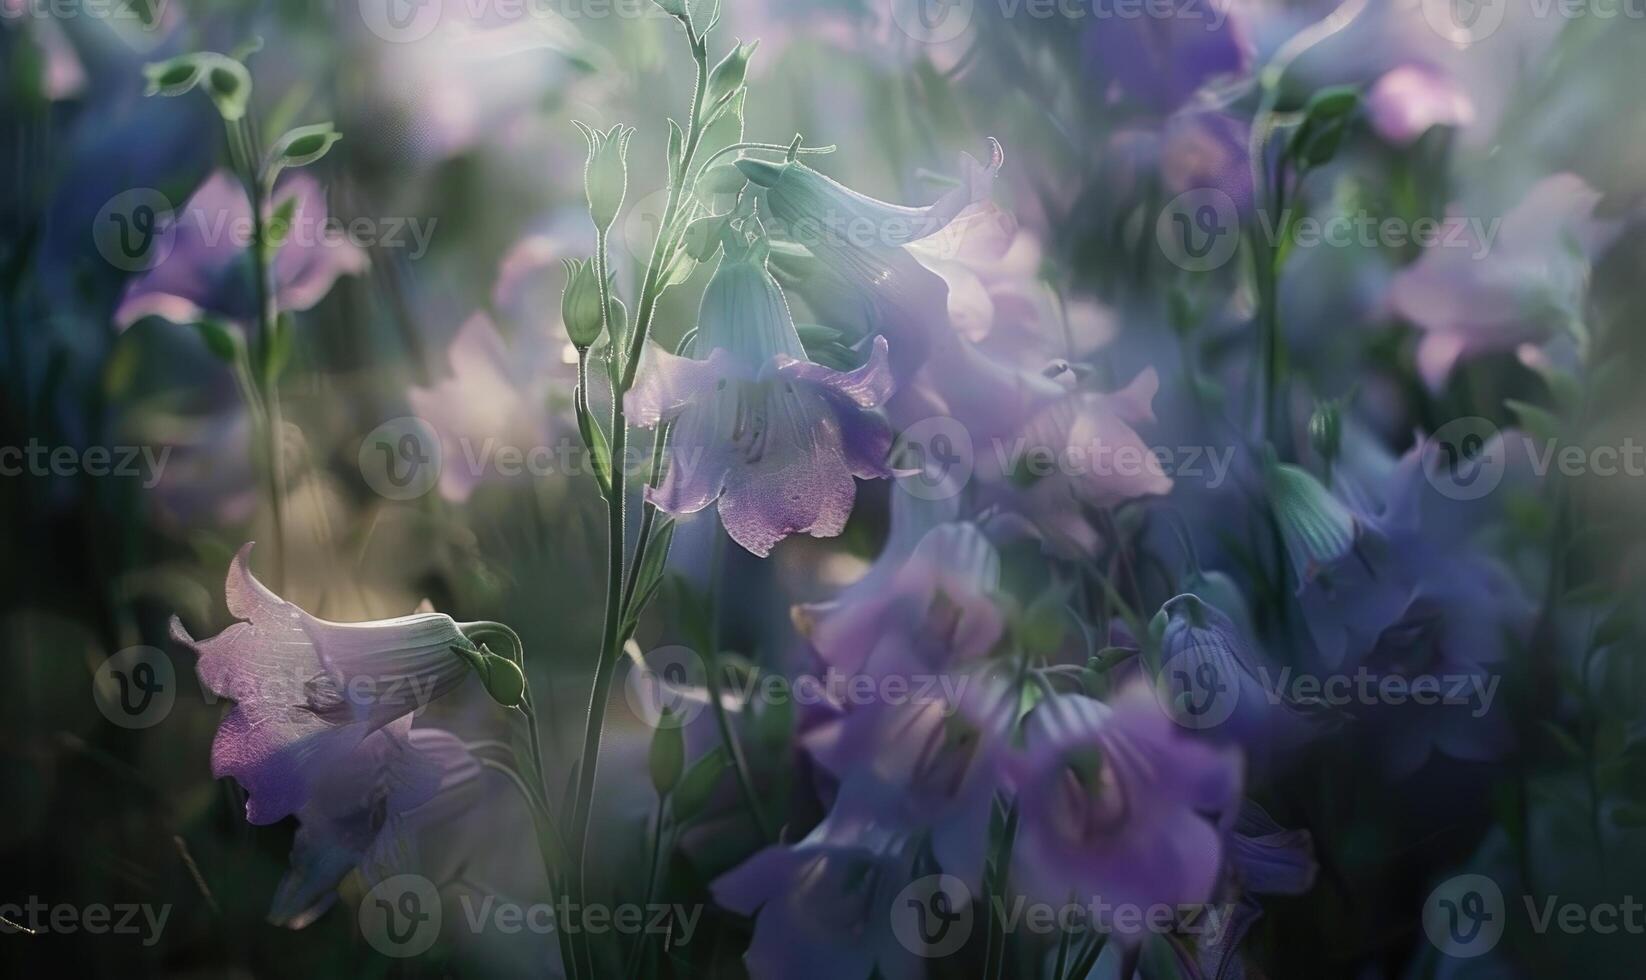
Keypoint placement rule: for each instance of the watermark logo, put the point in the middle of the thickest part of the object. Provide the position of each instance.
(401, 21)
(936, 456)
(1464, 917)
(401, 459)
(1199, 230)
(136, 687)
(1464, 22)
(932, 21)
(643, 223)
(135, 230)
(1197, 693)
(1460, 461)
(932, 916)
(400, 917)
(664, 689)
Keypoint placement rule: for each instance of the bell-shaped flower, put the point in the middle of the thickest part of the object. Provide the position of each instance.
(359, 809)
(1043, 446)
(930, 606)
(845, 252)
(1161, 60)
(307, 692)
(1425, 600)
(1408, 101)
(932, 761)
(207, 271)
(1118, 803)
(1212, 680)
(775, 438)
(823, 907)
(1504, 286)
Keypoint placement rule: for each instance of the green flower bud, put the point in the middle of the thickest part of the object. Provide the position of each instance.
(606, 177)
(580, 303)
(728, 76)
(1317, 529)
(1326, 430)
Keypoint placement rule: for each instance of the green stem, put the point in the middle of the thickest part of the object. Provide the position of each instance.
(259, 194)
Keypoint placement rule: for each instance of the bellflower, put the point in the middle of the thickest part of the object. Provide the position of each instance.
(498, 394)
(1043, 447)
(208, 272)
(860, 244)
(1211, 679)
(1514, 288)
(823, 906)
(1408, 101)
(357, 808)
(936, 607)
(307, 692)
(1161, 60)
(1118, 803)
(1424, 602)
(775, 438)
(933, 762)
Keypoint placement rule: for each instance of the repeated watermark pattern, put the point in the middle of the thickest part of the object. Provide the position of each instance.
(934, 915)
(39, 917)
(667, 688)
(1467, 915)
(1199, 230)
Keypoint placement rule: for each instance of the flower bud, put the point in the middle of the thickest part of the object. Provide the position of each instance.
(728, 76)
(580, 303)
(606, 178)
(1316, 528)
(1326, 430)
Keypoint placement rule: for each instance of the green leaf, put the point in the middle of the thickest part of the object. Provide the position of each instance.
(722, 178)
(600, 452)
(668, 754)
(1538, 422)
(1044, 624)
(650, 577)
(221, 339)
(1325, 120)
(677, 152)
(694, 788)
(280, 344)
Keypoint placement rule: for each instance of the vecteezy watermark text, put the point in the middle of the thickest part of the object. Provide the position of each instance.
(95, 919)
(144, 463)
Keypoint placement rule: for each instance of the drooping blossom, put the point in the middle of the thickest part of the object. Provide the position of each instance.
(846, 253)
(1520, 286)
(1423, 601)
(932, 762)
(1118, 803)
(932, 606)
(1212, 680)
(1160, 61)
(771, 436)
(1207, 151)
(307, 692)
(823, 906)
(997, 298)
(1042, 445)
(357, 808)
(497, 397)
(1410, 100)
(208, 272)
